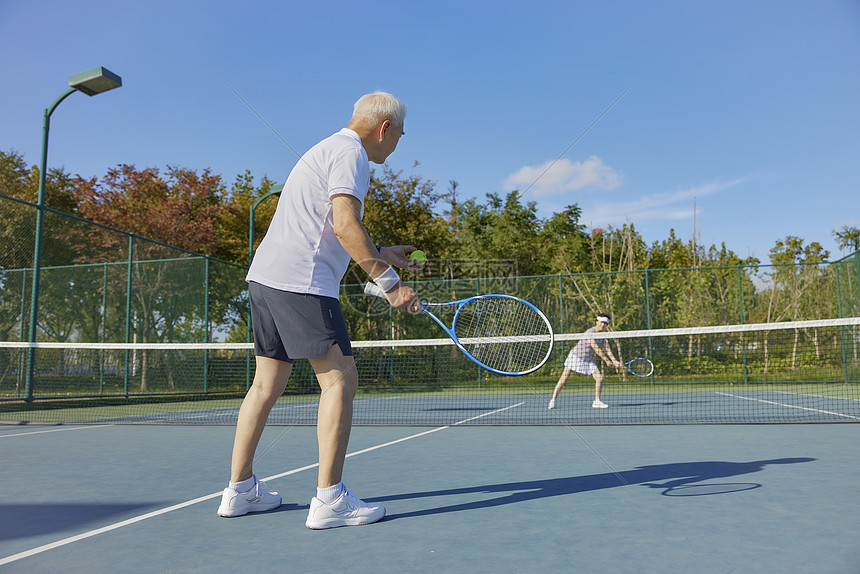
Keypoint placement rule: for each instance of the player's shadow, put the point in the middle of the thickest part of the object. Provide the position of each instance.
(659, 403)
(671, 477)
(31, 519)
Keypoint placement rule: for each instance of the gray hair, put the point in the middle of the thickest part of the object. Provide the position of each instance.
(377, 107)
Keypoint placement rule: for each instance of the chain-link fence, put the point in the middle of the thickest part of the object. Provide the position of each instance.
(96, 284)
(636, 300)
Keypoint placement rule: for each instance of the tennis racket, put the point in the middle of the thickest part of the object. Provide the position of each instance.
(503, 334)
(640, 367)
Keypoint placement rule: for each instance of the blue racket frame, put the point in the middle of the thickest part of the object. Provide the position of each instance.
(632, 372)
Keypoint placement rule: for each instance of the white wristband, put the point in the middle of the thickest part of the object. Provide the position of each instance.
(388, 280)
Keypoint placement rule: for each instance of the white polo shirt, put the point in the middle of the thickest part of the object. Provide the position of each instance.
(300, 252)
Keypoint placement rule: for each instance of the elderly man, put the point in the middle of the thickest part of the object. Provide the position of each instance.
(294, 285)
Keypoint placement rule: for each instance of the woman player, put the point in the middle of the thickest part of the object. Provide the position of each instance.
(581, 360)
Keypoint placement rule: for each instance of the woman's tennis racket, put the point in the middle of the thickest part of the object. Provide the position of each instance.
(501, 333)
(640, 367)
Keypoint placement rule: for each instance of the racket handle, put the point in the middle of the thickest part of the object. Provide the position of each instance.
(374, 289)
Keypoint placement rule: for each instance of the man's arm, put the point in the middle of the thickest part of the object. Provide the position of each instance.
(353, 237)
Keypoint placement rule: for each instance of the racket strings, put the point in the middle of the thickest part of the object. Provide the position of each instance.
(504, 334)
(641, 367)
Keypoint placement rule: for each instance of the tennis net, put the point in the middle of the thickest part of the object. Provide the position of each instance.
(805, 371)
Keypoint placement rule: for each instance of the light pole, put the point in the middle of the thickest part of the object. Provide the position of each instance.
(91, 82)
(276, 190)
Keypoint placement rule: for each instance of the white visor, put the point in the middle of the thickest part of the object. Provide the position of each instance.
(604, 319)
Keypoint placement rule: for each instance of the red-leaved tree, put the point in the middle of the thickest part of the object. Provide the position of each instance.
(181, 209)
(167, 286)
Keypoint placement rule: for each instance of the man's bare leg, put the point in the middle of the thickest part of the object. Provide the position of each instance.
(270, 380)
(338, 380)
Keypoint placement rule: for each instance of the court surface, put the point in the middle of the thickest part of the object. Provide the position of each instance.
(684, 498)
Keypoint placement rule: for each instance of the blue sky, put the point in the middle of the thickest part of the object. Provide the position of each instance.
(747, 108)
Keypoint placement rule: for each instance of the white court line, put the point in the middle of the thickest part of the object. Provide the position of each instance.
(817, 396)
(55, 430)
(789, 406)
(142, 517)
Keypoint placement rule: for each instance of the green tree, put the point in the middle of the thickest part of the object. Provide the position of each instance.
(233, 222)
(17, 226)
(608, 281)
(729, 284)
(17, 235)
(500, 229)
(798, 283)
(564, 243)
(794, 275)
(848, 238)
(670, 286)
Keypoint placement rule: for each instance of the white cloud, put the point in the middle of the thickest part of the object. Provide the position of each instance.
(668, 206)
(561, 176)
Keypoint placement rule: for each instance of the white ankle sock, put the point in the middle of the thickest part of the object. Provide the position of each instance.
(330, 494)
(243, 486)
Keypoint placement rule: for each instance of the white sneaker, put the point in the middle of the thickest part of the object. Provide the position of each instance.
(598, 404)
(258, 499)
(347, 510)
(552, 403)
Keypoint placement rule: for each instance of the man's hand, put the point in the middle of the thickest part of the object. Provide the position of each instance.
(398, 256)
(403, 298)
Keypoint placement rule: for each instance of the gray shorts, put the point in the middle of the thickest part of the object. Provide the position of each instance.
(289, 326)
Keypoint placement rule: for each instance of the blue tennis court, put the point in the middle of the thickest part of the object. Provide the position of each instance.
(460, 498)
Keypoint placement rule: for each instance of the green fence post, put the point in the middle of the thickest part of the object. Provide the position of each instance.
(22, 356)
(128, 285)
(561, 309)
(841, 328)
(647, 300)
(648, 319)
(206, 324)
(104, 329)
(857, 265)
(743, 334)
(391, 349)
(560, 305)
(480, 370)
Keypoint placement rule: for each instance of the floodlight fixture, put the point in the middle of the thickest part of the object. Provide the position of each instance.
(95, 81)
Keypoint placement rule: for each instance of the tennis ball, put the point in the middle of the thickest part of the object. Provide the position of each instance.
(418, 256)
